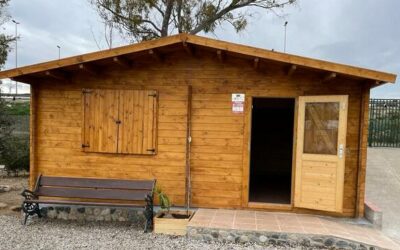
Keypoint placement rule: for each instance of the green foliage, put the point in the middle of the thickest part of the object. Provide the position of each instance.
(5, 40)
(14, 149)
(149, 19)
(17, 108)
(15, 153)
(164, 200)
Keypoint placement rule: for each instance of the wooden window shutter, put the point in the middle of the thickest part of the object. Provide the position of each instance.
(100, 128)
(137, 131)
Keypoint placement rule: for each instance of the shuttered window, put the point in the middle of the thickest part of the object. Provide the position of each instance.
(119, 121)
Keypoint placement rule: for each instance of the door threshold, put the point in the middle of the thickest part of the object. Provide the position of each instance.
(272, 206)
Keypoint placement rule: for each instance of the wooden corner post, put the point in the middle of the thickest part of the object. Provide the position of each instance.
(33, 170)
(362, 150)
(188, 189)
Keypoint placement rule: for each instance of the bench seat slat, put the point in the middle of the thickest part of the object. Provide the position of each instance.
(88, 193)
(87, 203)
(96, 183)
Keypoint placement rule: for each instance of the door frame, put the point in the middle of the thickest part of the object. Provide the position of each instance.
(247, 156)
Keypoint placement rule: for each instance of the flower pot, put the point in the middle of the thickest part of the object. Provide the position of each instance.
(173, 223)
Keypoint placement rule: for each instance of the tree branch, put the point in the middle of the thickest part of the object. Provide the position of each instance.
(128, 19)
(167, 17)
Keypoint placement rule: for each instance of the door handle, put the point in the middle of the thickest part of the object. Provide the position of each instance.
(341, 149)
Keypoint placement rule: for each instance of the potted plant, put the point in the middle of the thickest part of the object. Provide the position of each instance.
(169, 221)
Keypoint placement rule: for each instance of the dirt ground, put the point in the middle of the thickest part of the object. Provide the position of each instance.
(12, 198)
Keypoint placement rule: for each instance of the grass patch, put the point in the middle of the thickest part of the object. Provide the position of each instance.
(17, 108)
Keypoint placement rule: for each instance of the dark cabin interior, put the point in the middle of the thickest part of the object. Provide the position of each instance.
(271, 150)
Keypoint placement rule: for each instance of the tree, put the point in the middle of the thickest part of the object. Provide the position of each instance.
(149, 19)
(14, 148)
(5, 40)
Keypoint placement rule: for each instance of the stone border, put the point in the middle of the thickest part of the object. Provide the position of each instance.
(275, 239)
(88, 213)
(373, 214)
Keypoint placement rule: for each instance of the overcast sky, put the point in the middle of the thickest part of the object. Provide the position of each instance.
(363, 33)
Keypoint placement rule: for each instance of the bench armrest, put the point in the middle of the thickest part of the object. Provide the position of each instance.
(28, 195)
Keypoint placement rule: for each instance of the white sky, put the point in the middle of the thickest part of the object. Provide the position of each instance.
(363, 33)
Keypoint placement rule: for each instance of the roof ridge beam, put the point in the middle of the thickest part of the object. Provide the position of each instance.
(188, 48)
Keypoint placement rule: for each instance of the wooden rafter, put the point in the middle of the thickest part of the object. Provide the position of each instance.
(220, 55)
(57, 74)
(122, 61)
(156, 55)
(329, 77)
(256, 63)
(291, 70)
(89, 69)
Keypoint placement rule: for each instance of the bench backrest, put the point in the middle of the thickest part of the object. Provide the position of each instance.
(91, 188)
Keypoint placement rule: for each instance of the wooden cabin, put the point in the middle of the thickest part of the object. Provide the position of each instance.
(219, 125)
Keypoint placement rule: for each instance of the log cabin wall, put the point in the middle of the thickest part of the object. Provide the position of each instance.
(218, 141)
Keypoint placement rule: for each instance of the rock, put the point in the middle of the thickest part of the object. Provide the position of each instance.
(230, 238)
(52, 214)
(81, 210)
(262, 239)
(342, 244)
(15, 208)
(329, 242)
(5, 188)
(89, 211)
(214, 234)
(207, 238)
(105, 212)
(3, 205)
(244, 239)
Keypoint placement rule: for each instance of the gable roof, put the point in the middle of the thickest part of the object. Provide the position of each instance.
(194, 40)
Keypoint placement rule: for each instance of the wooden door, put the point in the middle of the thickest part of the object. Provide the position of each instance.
(100, 121)
(320, 152)
(137, 131)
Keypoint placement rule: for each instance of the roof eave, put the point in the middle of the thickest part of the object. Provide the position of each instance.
(362, 73)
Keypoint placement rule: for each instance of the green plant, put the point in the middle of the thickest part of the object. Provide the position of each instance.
(165, 202)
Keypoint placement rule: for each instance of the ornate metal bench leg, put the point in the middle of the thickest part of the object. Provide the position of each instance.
(148, 212)
(30, 209)
(26, 218)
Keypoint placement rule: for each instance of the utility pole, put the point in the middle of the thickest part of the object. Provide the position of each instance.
(284, 42)
(16, 54)
(59, 51)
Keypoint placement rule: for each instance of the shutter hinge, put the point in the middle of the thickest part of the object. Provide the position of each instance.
(151, 150)
(85, 145)
(86, 91)
(153, 95)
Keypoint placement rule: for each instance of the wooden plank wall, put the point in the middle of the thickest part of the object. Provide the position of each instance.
(217, 133)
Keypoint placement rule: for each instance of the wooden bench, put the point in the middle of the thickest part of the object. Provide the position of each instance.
(90, 192)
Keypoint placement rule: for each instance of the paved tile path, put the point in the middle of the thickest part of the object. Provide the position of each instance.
(383, 187)
(289, 223)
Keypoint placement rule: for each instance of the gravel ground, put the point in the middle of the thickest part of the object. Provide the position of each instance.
(57, 234)
(12, 198)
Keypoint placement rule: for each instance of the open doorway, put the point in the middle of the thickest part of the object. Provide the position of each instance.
(271, 150)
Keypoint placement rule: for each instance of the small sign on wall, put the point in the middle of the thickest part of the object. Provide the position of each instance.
(237, 103)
